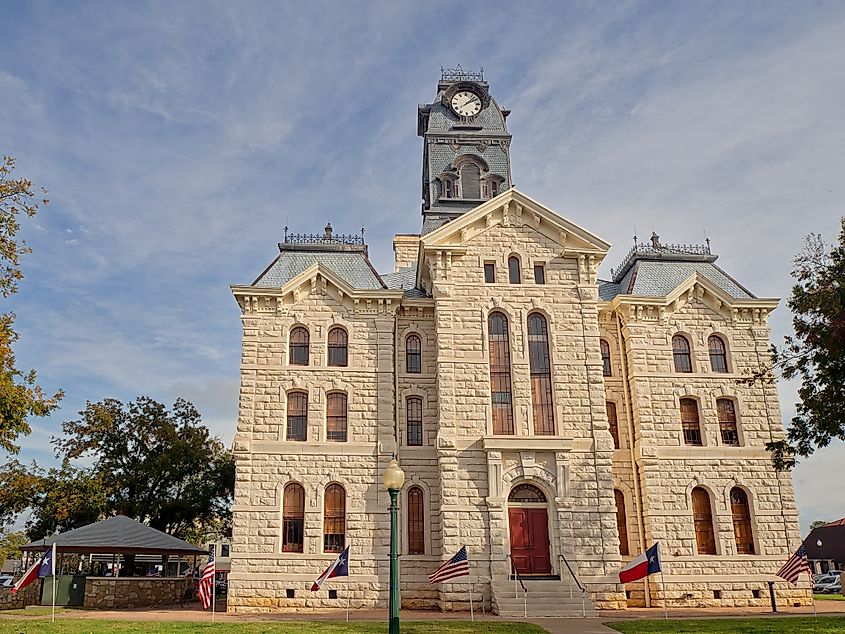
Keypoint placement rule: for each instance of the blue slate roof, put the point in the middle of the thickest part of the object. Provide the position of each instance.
(608, 290)
(658, 278)
(442, 118)
(353, 267)
(405, 279)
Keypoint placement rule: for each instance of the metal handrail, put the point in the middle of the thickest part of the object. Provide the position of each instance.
(578, 583)
(517, 577)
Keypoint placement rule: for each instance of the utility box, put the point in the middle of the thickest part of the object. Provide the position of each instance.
(70, 590)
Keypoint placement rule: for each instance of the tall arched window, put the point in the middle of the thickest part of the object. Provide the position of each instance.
(541, 375)
(500, 373)
(702, 516)
(605, 357)
(297, 416)
(338, 347)
(621, 522)
(414, 421)
(613, 422)
(413, 355)
(416, 521)
(470, 181)
(681, 354)
(334, 519)
(726, 412)
(299, 341)
(690, 422)
(336, 416)
(741, 512)
(293, 518)
(718, 354)
(514, 273)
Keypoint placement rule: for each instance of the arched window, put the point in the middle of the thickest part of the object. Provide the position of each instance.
(338, 347)
(718, 354)
(514, 274)
(690, 422)
(526, 494)
(541, 375)
(416, 521)
(414, 421)
(297, 416)
(605, 357)
(613, 422)
(741, 512)
(336, 416)
(681, 354)
(702, 516)
(470, 181)
(726, 413)
(334, 519)
(621, 522)
(500, 373)
(413, 355)
(293, 518)
(299, 341)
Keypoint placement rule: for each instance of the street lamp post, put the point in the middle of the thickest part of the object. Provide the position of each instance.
(821, 555)
(394, 478)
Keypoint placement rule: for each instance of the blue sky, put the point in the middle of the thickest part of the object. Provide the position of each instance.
(177, 140)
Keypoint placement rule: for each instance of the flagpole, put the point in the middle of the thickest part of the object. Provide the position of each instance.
(471, 610)
(663, 592)
(53, 561)
(213, 591)
(348, 591)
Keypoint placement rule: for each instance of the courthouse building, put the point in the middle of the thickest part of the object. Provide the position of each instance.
(555, 423)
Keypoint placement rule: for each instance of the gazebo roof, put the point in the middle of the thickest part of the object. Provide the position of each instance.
(118, 534)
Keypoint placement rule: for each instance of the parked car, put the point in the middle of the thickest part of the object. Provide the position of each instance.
(6, 581)
(828, 584)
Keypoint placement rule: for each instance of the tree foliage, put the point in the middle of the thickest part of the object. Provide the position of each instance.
(816, 354)
(817, 524)
(20, 395)
(10, 544)
(158, 466)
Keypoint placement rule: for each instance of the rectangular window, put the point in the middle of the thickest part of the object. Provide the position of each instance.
(224, 550)
(539, 274)
(489, 273)
(690, 422)
(336, 417)
(614, 424)
(727, 421)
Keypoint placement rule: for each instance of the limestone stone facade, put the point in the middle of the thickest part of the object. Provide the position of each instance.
(507, 260)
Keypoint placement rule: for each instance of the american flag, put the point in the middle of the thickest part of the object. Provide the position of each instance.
(206, 585)
(457, 566)
(795, 567)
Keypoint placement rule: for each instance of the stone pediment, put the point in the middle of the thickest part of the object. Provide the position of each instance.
(512, 208)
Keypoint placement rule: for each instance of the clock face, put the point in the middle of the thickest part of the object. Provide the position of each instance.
(466, 103)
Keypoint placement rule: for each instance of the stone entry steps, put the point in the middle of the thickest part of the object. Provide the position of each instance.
(544, 598)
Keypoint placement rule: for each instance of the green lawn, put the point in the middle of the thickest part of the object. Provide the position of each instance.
(829, 597)
(764, 625)
(92, 626)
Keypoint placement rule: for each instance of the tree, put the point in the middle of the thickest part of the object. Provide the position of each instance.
(817, 524)
(816, 354)
(20, 395)
(10, 544)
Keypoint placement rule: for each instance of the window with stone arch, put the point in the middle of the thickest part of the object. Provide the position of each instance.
(334, 519)
(416, 521)
(690, 422)
(298, 351)
(718, 354)
(500, 373)
(414, 421)
(293, 518)
(514, 270)
(541, 375)
(297, 416)
(681, 354)
(413, 354)
(613, 422)
(726, 413)
(605, 357)
(336, 422)
(470, 173)
(338, 347)
(526, 494)
(741, 512)
(621, 522)
(702, 515)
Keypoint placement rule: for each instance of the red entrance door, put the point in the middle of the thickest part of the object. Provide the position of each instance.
(530, 541)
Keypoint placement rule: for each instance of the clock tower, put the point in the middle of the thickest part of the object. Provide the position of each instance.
(466, 147)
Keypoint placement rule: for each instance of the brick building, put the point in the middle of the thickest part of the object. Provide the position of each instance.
(543, 416)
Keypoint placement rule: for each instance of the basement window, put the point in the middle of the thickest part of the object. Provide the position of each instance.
(332, 594)
(717, 594)
(289, 593)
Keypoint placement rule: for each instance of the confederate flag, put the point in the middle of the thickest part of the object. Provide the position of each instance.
(642, 566)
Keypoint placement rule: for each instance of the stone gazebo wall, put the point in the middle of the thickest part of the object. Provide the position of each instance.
(133, 592)
(30, 595)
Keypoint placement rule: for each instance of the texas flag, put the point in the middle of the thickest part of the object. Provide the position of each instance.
(339, 568)
(44, 567)
(642, 566)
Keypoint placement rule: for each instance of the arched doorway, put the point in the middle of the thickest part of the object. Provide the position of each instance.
(528, 518)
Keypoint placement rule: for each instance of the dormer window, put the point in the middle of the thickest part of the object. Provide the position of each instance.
(470, 181)
(448, 188)
(469, 178)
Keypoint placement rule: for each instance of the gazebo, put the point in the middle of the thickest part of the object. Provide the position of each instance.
(107, 554)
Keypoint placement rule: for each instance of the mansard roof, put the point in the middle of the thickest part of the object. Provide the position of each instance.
(404, 279)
